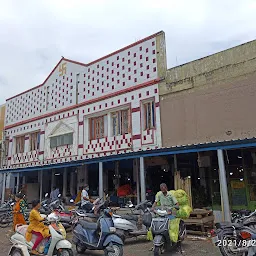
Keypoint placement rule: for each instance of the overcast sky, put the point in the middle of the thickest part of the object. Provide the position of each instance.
(35, 34)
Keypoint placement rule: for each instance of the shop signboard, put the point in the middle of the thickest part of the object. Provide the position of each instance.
(238, 193)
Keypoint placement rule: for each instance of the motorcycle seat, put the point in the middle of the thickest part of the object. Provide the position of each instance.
(129, 217)
(88, 225)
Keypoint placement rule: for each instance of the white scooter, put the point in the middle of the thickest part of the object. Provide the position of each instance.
(59, 246)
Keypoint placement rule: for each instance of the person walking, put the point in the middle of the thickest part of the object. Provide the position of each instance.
(18, 211)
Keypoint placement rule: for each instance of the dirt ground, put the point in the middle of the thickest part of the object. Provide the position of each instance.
(132, 247)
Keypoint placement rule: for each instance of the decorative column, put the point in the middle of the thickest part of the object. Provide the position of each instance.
(223, 186)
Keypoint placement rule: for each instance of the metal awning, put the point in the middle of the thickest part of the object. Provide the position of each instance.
(225, 145)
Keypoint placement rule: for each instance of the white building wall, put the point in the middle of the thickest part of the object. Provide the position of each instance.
(125, 78)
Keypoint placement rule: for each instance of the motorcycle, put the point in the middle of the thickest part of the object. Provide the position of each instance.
(134, 224)
(57, 245)
(160, 232)
(98, 236)
(65, 216)
(231, 237)
(237, 215)
(6, 216)
(48, 206)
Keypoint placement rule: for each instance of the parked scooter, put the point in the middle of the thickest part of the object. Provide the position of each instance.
(134, 225)
(98, 236)
(160, 232)
(58, 245)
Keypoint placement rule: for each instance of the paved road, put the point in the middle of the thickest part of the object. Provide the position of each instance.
(133, 247)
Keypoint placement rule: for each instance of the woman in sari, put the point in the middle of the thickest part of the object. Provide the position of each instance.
(18, 211)
(36, 227)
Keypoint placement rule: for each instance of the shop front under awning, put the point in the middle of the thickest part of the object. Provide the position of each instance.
(183, 149)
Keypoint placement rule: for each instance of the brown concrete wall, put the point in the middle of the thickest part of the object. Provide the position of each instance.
(212, 99)
(2, 115)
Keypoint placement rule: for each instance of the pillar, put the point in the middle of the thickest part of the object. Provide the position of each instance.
(101, 191)
(41, 186)
(142, 180)
(137, 180)
(223, 186)
(72, 181)
(18, 182)
(3, 188)
(53, 180)
(117, 175)
(65, 177)
(8, 180)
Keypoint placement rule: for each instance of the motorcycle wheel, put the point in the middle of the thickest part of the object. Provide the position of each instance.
(226, 250)
(157, 250)
(118, 250)
(5, 220)
(65, 252)
(80, 249)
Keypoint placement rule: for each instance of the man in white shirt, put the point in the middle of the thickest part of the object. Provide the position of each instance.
(86, 202)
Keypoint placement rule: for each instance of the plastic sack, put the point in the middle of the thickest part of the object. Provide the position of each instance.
(181, 196)
(184, 212)
(174, 226)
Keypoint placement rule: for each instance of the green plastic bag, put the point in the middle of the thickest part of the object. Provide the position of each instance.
(149, 235)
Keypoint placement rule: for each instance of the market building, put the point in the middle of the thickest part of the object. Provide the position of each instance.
(83, 112)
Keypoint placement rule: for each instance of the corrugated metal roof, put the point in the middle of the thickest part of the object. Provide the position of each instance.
(179, 149)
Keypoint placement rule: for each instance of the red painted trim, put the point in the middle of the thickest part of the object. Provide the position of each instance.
(81, 122)
(56, 158)
(41, 153)
(127, 47)
(135, 109)
(80, 146)
(136, 137)
(114, 94)
(157, 104)
(42, 132)
(86, 65)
